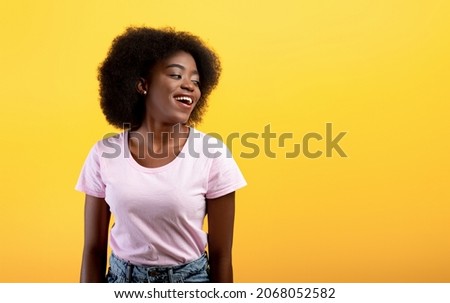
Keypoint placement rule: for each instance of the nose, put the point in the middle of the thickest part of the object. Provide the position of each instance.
(188, 85)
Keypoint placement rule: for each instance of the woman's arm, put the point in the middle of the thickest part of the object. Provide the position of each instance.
(220, 237)
(96, 227)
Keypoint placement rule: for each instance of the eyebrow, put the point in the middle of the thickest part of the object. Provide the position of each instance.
(180, 67)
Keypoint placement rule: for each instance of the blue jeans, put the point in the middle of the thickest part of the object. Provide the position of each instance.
(121, 271)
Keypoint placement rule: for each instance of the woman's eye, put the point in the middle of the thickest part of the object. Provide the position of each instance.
(175, 76)
(196, 82)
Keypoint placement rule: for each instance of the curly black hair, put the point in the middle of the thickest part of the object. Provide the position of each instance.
(132, 56)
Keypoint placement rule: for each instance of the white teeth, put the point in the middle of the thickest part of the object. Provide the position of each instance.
(184, 98)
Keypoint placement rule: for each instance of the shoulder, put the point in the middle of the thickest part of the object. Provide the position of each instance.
(112, 144)
(209, 145)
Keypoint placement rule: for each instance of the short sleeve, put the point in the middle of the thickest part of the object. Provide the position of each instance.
(90, 181)
(224, 176)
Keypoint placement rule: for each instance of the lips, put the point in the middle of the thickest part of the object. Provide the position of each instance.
(184, 99)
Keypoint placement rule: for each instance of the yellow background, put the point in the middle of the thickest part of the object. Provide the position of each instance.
(379, 70)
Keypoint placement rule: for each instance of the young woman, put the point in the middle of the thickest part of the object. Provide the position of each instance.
(160, 176)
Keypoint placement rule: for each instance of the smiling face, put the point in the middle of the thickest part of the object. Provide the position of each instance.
(173, 89)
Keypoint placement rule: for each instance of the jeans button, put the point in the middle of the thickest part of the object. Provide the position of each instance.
(153, 273)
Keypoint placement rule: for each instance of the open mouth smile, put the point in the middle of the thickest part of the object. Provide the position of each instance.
(184, 99)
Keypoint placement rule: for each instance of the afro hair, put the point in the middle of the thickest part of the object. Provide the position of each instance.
(133, 55)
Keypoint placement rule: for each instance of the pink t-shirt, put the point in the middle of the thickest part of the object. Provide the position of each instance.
(159, 212)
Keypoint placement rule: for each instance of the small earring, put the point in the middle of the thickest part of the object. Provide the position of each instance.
(145, 92)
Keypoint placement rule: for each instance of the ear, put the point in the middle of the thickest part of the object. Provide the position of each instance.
(141, 86)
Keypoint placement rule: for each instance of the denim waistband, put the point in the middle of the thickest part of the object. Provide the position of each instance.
(123, 271)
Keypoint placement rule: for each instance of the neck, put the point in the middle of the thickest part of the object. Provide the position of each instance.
(161, 135)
